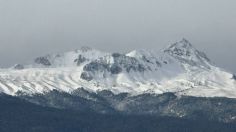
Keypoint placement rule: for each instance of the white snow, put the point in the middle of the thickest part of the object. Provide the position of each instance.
(190, 73)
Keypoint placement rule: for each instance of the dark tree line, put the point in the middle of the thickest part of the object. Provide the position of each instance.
(17, 115)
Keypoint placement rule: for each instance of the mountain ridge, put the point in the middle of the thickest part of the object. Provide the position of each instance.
(180, 68)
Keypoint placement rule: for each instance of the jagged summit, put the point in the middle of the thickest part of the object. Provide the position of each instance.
(181, 48)
(183, 51)
(183, 44)
(188, 54)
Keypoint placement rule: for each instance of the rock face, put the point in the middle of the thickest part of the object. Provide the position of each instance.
(234, 77)
(86, 76)
(43, 61)
(115, 69)
(80, 60)
(115, 64)
(18, 67)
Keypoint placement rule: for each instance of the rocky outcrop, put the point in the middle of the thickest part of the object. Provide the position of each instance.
(43, 61)
(19, 66)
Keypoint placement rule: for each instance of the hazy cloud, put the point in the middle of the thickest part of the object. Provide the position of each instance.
(29, 28)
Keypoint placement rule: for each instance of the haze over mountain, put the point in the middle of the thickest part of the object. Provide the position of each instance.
(31, 28)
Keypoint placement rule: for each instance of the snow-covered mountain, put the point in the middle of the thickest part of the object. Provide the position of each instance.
(179, 68)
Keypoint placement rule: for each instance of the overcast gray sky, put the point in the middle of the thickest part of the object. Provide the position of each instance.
(30, 28)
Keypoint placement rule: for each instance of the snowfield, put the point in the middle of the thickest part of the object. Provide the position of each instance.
(180, 68)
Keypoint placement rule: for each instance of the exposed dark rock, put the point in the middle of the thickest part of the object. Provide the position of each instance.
(180, 52)
(115, 69)
(116, 55)
(145, 59)
(234, 77)
(43, 61)
(138, 67)
(128, 63)
(86, 76)
(141, 68)
(18, 67)
(80, 60)
(121, 62)
(96, 66)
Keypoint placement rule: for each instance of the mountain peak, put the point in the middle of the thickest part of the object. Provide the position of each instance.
(186, 53)
(184, 44)
(183, 49)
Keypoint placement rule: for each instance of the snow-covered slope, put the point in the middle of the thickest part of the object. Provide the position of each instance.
(67, 59)
(179, 68)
